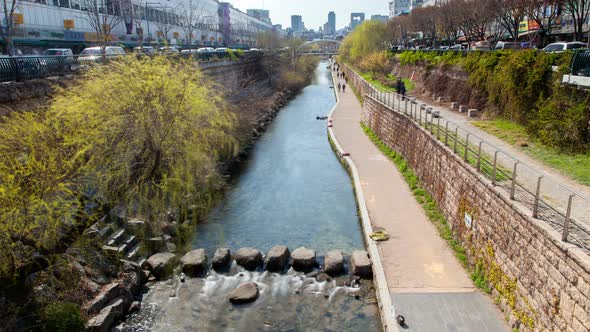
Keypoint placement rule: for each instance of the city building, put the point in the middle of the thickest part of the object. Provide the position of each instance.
(356, 19)
(331, 23)
(43, 24)
(381, 18)
(399, 7)
(261, 14)
(297, 25)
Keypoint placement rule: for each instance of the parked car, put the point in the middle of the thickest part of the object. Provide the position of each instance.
(482, 45)
(502, 45)
(562, 46)
(456, 47)
(444, 48)
(169, 50)
(94, 54)
(145, 50)
(64, 59)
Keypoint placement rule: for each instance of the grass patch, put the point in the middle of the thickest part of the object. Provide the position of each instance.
(576, 166)
(388, 82)
(422, 196)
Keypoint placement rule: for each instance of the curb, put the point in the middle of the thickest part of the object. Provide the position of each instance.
(386, 309)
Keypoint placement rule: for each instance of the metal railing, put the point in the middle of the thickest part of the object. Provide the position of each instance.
(30, 67)
(581, 63)
(22, 68)
(563, 209)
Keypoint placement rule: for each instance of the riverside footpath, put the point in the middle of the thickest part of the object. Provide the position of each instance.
(426, 283)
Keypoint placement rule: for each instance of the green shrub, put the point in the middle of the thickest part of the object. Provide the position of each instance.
(63, 317)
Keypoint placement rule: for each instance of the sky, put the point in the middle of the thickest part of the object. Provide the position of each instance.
(314, 12)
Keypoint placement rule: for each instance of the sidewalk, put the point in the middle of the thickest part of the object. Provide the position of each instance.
(427, 284)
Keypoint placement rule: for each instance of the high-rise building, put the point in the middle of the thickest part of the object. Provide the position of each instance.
(399, 7)
(261, 14)
(380, 18)
(356, 19)
(297, 24)
(331, 23)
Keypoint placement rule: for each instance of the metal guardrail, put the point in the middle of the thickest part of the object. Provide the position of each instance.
(581, 63)
(30, 67)
(22, 68)
(563, 209)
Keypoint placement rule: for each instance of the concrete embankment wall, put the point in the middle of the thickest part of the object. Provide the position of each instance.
(32, 94)
(539, 281)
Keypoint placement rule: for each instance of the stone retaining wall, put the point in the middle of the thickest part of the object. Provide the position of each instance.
(540, 282)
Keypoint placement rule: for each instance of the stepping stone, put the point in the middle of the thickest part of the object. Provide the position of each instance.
(221, 258)
(194, 263)
(334, 263)
(277, 258)
(303, 259)
(361, 264)
(161, 265)
(248, 258)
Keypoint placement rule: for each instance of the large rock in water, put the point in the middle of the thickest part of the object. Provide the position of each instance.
(361, 264)
(194, 263)
(303, 259)
(221, 258)
(245, 293)
(334, 263)
(161, 265)
(277, 258)
(248, 258)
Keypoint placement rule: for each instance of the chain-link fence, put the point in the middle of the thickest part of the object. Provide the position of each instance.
(565, 210)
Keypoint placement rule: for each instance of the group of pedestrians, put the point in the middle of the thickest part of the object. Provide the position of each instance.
(340, 75)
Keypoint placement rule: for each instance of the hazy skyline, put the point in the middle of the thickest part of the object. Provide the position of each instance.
(314, 12)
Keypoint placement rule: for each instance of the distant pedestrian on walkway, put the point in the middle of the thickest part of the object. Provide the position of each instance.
(343, 87)
(339, 87)
(401, 88)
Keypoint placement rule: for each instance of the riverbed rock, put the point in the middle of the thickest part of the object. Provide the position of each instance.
(161, 265)
(334, 263)
(194, 263)
(303, 259)
(221, 258)
(248, 258)
(361, 264)
(107, 316)
(245, 293)
(277, 258)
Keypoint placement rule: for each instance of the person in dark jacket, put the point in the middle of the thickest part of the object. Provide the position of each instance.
(401, 88)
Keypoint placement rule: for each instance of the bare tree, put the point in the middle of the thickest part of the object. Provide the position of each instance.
(509, 14)
(7, 32)
(191, 15)
(447, 20)
(578, 10)
(103, 16)
(424, 20)
(544, 13)
(474, 18)
(167, 20)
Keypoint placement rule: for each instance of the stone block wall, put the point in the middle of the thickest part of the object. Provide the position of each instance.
(541, 283)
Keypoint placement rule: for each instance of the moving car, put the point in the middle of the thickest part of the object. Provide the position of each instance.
(562, 46)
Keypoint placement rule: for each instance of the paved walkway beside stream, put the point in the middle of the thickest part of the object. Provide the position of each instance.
(426, 282)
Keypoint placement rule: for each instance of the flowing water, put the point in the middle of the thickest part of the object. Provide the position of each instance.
(292, 191)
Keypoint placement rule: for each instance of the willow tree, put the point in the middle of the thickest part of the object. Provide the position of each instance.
(148, 133)
(369, 37)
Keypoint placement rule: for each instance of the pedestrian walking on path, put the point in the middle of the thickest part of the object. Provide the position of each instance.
(401, 88)
(339, 87)
(343, 87)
